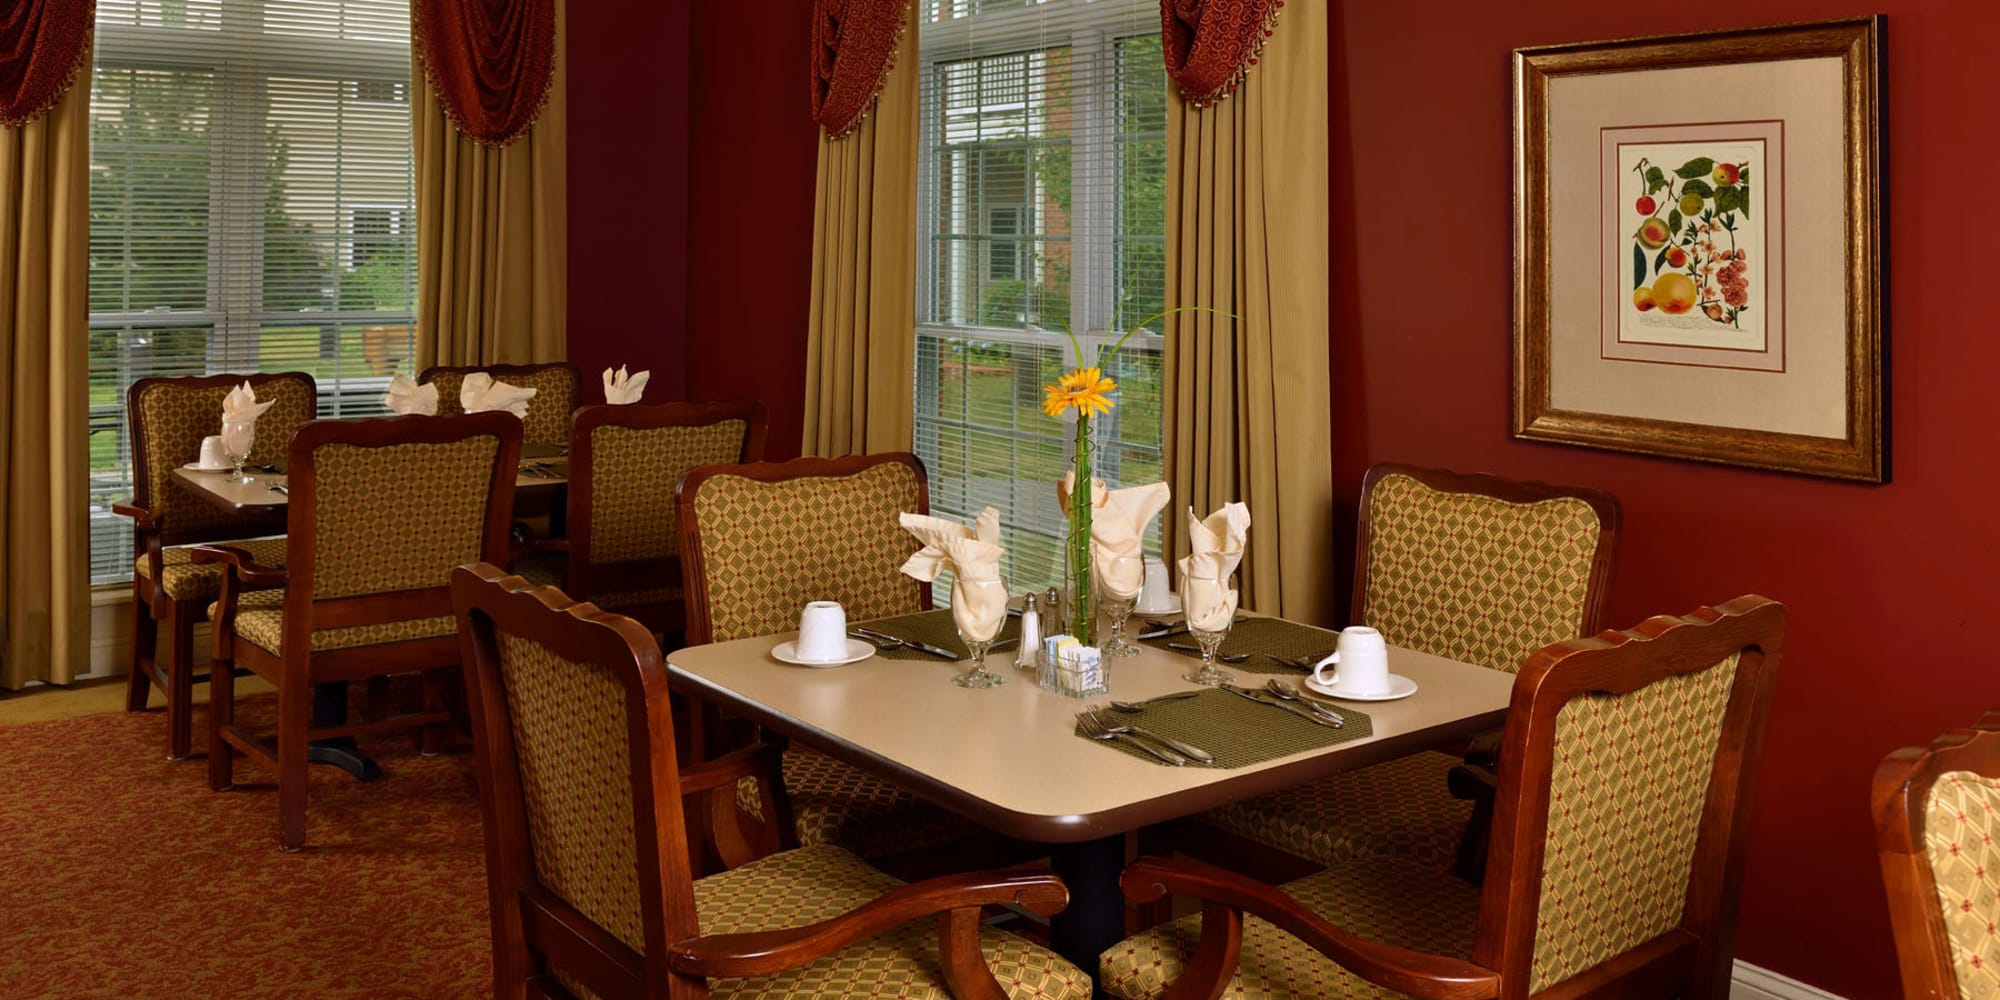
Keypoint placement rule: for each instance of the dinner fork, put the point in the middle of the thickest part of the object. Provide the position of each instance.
(1185, 749)
(1095, 730)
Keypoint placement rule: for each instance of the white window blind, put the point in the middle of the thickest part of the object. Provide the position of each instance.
(251, 209)
(1041, 205)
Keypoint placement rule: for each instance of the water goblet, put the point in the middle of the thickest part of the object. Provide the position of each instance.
(1120, 611)
(979, 594)
(1208, 642)
(237, 436)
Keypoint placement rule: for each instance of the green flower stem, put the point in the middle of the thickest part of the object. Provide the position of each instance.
(1083, 623)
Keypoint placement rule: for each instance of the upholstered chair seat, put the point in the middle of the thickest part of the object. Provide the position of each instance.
(1469, 567)
(260, 621)
(593, 823)
(169, 417)
(836, 803)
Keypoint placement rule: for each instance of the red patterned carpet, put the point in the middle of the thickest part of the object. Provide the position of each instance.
(122, 875)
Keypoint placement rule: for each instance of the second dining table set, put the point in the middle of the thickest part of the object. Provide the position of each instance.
(716, 717)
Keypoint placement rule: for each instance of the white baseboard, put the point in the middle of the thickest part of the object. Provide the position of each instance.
(111, 634)
(1751, 982)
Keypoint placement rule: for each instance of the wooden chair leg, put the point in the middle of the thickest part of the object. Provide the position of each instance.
(221, 715)
(431, 738)
(375, 702)
(294, 732)
(145, 641)
(180, 677)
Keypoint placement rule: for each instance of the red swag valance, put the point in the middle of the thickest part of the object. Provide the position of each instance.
(854, 48)
(43, 45)
(1211, 44)
(490, 61)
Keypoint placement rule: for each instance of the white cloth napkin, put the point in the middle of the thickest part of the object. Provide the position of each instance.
(480, 392)
(407, 397)
(1118, 520)
(622, 388)
(1215, 546)
(978, 599)
(240, 411)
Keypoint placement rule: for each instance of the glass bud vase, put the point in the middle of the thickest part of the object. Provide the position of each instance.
(1078, 593)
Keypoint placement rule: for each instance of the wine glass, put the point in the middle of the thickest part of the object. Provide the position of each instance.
(1208, 642)
(979, 593)
(1119, 609)
(237, 437)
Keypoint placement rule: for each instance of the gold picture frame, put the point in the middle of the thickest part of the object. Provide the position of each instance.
(1698, 257)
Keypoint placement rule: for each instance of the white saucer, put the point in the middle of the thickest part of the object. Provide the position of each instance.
(856, 652)
(1171, 607)
(1399, 687)
(198, 467)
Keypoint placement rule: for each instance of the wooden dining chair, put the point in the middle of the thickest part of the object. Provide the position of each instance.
(622, 552)
(380, 511)
(1617, 856)
(167, 419)
(760, 541)
(1470, 567)
(591, 888)
(558, 392)
(1937, 809)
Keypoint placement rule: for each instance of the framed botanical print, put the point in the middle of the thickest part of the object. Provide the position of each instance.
(1698, 258)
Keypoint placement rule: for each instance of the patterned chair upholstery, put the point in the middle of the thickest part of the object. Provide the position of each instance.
(1937, 813)
(168, 417)
(1642, 744)
(558, 392)
(759, 542)
(623, 549)
(1472, 568)
(380, 512)
(566, 783)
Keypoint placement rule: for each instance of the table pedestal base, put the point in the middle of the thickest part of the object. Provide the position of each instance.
(1095, 917)
(330, 709)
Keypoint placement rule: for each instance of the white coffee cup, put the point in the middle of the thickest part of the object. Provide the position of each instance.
(1359, 664)
(823, 632)
(211, 452)
(1155, 592)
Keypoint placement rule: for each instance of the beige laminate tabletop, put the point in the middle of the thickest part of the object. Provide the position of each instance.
(1006, 757)
(257, 495)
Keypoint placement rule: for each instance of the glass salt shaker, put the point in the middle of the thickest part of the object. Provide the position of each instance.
(1030, 655)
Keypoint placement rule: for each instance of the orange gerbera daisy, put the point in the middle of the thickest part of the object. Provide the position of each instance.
(1084, 390)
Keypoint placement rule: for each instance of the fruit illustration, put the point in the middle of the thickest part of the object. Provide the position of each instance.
(1673, 292)
(1646, 205)
(1726, 173)
(1677, 257)
(1642, 298)
(1653, 233)
(1690, 203)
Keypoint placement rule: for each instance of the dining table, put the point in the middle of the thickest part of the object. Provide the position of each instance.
(1010, 758)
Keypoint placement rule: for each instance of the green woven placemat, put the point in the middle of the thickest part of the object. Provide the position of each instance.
(936, 628)
(1258, 637)
(1237, 732)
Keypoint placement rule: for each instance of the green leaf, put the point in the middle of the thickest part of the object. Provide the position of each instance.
(1638, 265)
(1743, 174)
(1700, 187)
(1655, 179)
(1728, 198)
(1744, 199)
(1659, 262)
(1697, 167)
(1674, 221)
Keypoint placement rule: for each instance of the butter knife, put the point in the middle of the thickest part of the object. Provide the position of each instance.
(1302, 713)
(922, 647)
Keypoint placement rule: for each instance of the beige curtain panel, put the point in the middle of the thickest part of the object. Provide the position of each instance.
(44, 406)
(861, 335)
(492, 236)
(1247, 397)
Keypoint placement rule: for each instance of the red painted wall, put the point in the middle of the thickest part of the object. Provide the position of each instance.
(754, 158)
(1890, 588)
(628, 228)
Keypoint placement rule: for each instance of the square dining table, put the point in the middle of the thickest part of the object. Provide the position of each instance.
(544, 471)
(1008, 759)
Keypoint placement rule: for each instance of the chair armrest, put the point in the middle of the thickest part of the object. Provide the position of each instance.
(764, 952)
(1226, 896)
(1483, 750)
(142, 519)
(1472, 783)
(247, 570)
(754, 761)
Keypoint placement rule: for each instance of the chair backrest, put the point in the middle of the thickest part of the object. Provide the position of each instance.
(759, 541)
(168, 418)
(1623, 800)
(1937, 814)
(586, 845)
(624, 462)
(558, 392)
(1481, 569)
(382, 509)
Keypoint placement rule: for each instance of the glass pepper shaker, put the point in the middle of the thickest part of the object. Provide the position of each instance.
(1029, 656)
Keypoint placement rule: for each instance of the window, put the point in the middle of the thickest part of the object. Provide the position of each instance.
(1041, 206)
(252, 209)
